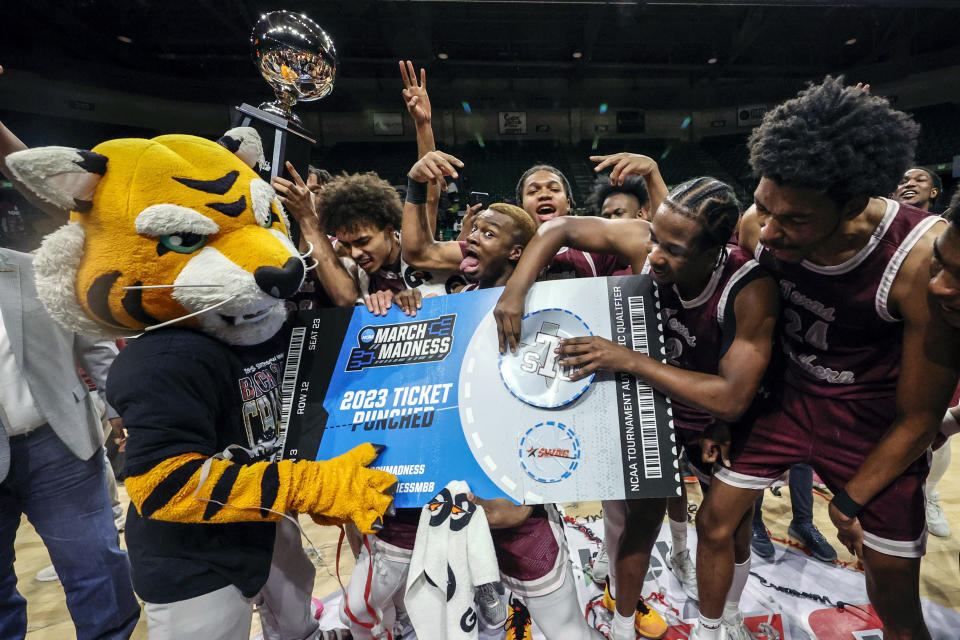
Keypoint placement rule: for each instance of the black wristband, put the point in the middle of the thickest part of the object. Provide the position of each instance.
(845, 504)
(416, 191)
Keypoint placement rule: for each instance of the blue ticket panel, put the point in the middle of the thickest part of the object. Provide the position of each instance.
(436, 392)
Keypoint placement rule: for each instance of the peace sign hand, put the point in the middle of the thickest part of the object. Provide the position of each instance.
(415, 94)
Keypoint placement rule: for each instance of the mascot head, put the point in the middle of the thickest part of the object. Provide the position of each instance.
(173, 229)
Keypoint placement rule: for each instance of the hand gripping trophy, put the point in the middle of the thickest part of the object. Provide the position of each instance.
(299, 61)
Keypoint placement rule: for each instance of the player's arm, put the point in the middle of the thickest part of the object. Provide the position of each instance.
(625, 164)
(726, 395)
(417, 101)
(418, 245)
(333, 276)
(626, 238)
(928, 377)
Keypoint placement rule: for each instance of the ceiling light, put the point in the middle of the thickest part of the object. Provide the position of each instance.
(125, 39)
(851, 41)
(577, 55)
(712, 60)
(442, 55)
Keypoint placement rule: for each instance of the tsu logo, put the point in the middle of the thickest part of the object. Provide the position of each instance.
(541, 358)
(534, 374)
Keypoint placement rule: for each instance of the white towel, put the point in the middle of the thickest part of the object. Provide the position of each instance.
(452, 555)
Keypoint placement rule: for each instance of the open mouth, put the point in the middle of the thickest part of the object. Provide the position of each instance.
(909, 193)
(470, 263)
(246, 318)
(546, 211)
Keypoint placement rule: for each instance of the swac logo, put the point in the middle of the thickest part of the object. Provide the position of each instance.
(549, 452)
(403, 343)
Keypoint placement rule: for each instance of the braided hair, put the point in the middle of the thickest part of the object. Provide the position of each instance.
(544, 167)
(711, 203)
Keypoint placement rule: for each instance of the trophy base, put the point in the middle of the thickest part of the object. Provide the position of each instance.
(283, 139)
(279, 109)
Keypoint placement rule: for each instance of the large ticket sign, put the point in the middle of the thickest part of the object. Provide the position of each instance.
(434, 389)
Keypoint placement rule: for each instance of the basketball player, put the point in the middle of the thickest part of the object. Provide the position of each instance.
(719, 310)
(919, 187)
(544, 192)
(869, 369)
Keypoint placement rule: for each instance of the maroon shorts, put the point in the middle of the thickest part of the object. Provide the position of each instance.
(533, 556)
(834, 437)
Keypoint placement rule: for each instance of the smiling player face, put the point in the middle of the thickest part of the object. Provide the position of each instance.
(370, 247)
(544, 196)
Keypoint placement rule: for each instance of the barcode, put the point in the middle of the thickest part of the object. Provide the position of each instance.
(289, 383)
(649, 442)
(638, 324)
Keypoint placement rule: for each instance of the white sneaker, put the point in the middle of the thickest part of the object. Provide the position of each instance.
(936, 520)
(683, 568)
(736, 631)
(47, 574)
(601, 565)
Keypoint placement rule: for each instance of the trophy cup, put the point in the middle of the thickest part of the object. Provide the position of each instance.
(298, 60)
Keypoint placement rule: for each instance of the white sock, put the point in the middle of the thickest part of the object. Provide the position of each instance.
(708, 628)
(622, 627)
(939, 463)
(950, 425)
(731, 610)
(678, 531)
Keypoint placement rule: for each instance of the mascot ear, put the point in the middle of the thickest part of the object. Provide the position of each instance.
(245, 143)
(63, 177)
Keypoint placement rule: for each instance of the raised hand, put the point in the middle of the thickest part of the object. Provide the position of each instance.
(415, 94)
(434, 166)
(624, 164)
(296, 197)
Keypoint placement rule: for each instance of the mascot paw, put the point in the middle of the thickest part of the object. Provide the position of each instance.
(351, 492)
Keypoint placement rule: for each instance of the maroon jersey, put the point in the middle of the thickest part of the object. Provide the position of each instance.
(838, 335)
(698, 332)
(574, 263)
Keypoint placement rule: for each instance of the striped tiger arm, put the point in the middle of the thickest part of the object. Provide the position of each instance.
(342, 489)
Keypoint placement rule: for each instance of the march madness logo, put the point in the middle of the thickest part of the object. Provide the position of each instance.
(403, 343)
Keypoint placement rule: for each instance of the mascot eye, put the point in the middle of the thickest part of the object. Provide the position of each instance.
(181, 242)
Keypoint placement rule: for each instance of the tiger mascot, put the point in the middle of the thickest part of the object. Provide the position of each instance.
(178, 239)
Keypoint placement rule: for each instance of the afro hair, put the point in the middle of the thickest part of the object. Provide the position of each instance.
(602, 189)
(352, 201)
(840, 140)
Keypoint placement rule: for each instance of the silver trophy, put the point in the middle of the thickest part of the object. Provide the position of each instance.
(296, 57)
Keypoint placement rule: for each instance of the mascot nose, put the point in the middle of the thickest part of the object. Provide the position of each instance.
(281, 283)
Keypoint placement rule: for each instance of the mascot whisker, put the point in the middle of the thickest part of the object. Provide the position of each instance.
(180, 229)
